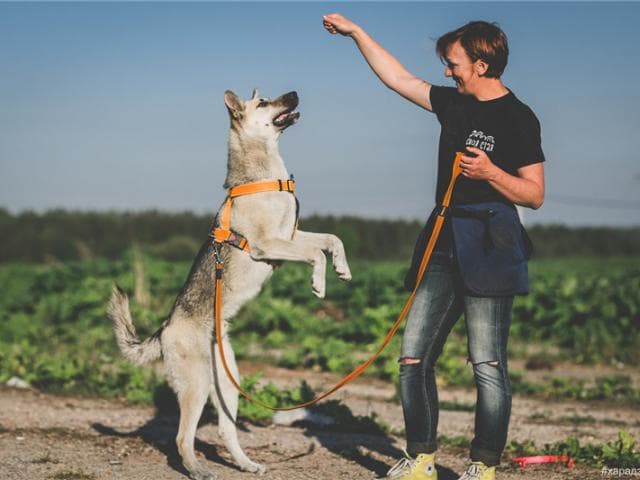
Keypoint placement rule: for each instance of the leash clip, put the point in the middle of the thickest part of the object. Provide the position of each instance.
(219, 263)
(216, 253)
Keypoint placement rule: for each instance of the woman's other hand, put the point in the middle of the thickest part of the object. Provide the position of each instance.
(336, 23)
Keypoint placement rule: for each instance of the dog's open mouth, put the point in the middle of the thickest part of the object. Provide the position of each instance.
(286, 118)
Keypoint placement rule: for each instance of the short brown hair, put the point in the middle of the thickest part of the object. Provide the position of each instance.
(481, 41)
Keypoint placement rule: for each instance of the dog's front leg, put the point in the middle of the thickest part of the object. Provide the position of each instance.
(329, 243)
(297, 251)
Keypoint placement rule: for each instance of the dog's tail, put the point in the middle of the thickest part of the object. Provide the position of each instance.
(130, 345)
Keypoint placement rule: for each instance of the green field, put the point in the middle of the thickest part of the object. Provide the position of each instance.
(54, 332)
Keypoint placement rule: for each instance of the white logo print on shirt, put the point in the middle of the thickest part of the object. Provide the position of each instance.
(478, 139)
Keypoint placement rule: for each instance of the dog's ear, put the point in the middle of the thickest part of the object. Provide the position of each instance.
(255, 94)
(234, 104)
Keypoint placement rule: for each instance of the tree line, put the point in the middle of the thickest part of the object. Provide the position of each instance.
(61, 235)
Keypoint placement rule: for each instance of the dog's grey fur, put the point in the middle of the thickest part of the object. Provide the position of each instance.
(267, 221)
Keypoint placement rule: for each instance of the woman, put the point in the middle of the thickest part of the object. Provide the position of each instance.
(480, 259)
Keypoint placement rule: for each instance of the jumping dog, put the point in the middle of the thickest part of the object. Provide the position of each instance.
(267, 221)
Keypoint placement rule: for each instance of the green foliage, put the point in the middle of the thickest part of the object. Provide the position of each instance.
(454, 442)
(270, 395)
(615, 387)
(560, 241)
(590, 309)
(73, 475)
(176, 247)
(54, 332)
(620, 453)
(67, 370)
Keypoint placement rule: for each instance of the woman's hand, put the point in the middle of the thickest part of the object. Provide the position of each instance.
(526, 188)
(479, 167)
(336, 23)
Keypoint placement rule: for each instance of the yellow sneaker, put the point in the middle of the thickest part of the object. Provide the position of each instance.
(423, 467)
(479, 471)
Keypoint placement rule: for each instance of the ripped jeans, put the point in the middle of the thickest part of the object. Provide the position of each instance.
(439, 302)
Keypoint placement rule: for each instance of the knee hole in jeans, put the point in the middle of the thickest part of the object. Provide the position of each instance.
(409, 361)
(493, 363)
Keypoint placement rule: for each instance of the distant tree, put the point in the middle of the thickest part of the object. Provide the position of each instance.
(66, 235)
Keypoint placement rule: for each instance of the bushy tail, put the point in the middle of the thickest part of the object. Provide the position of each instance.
(130, 345)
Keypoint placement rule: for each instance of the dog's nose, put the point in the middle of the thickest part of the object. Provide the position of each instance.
(290, 98)
(291, 95)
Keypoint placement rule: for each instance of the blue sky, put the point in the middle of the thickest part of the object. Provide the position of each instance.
(120, 105)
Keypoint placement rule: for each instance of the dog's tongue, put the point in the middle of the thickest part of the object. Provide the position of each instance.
(282, 117)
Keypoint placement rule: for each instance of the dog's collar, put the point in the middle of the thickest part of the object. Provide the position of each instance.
(221, 231)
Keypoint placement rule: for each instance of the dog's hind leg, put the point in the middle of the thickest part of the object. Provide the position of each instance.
(192, 392)
(225, 398)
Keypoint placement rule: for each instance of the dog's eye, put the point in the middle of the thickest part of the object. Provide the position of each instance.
(262, 104)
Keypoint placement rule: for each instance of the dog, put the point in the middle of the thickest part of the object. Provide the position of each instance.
(267, 220)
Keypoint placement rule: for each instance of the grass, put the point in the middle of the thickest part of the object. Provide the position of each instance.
(73, 475)
(54, 333)
(620, 453)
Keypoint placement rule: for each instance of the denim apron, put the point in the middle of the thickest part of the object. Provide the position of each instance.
(490, 245)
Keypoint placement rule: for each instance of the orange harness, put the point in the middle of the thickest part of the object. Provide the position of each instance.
(224, 234)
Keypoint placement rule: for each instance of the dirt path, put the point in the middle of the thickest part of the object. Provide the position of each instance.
(44, 436)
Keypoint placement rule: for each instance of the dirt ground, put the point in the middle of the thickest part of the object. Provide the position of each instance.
(44, 436)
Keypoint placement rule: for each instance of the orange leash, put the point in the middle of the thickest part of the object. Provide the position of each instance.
(363, 366)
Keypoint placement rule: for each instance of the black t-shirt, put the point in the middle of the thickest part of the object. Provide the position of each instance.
(505, 128)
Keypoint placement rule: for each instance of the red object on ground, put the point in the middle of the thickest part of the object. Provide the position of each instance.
(524, 461)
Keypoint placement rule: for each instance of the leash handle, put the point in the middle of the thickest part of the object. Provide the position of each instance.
(457, 170)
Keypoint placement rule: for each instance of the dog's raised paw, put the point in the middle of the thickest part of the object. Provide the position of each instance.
(342, 269)
(345, 276)
(318, 292)
(318, 286)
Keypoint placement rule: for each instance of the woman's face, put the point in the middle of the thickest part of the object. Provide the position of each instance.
(461, 69)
